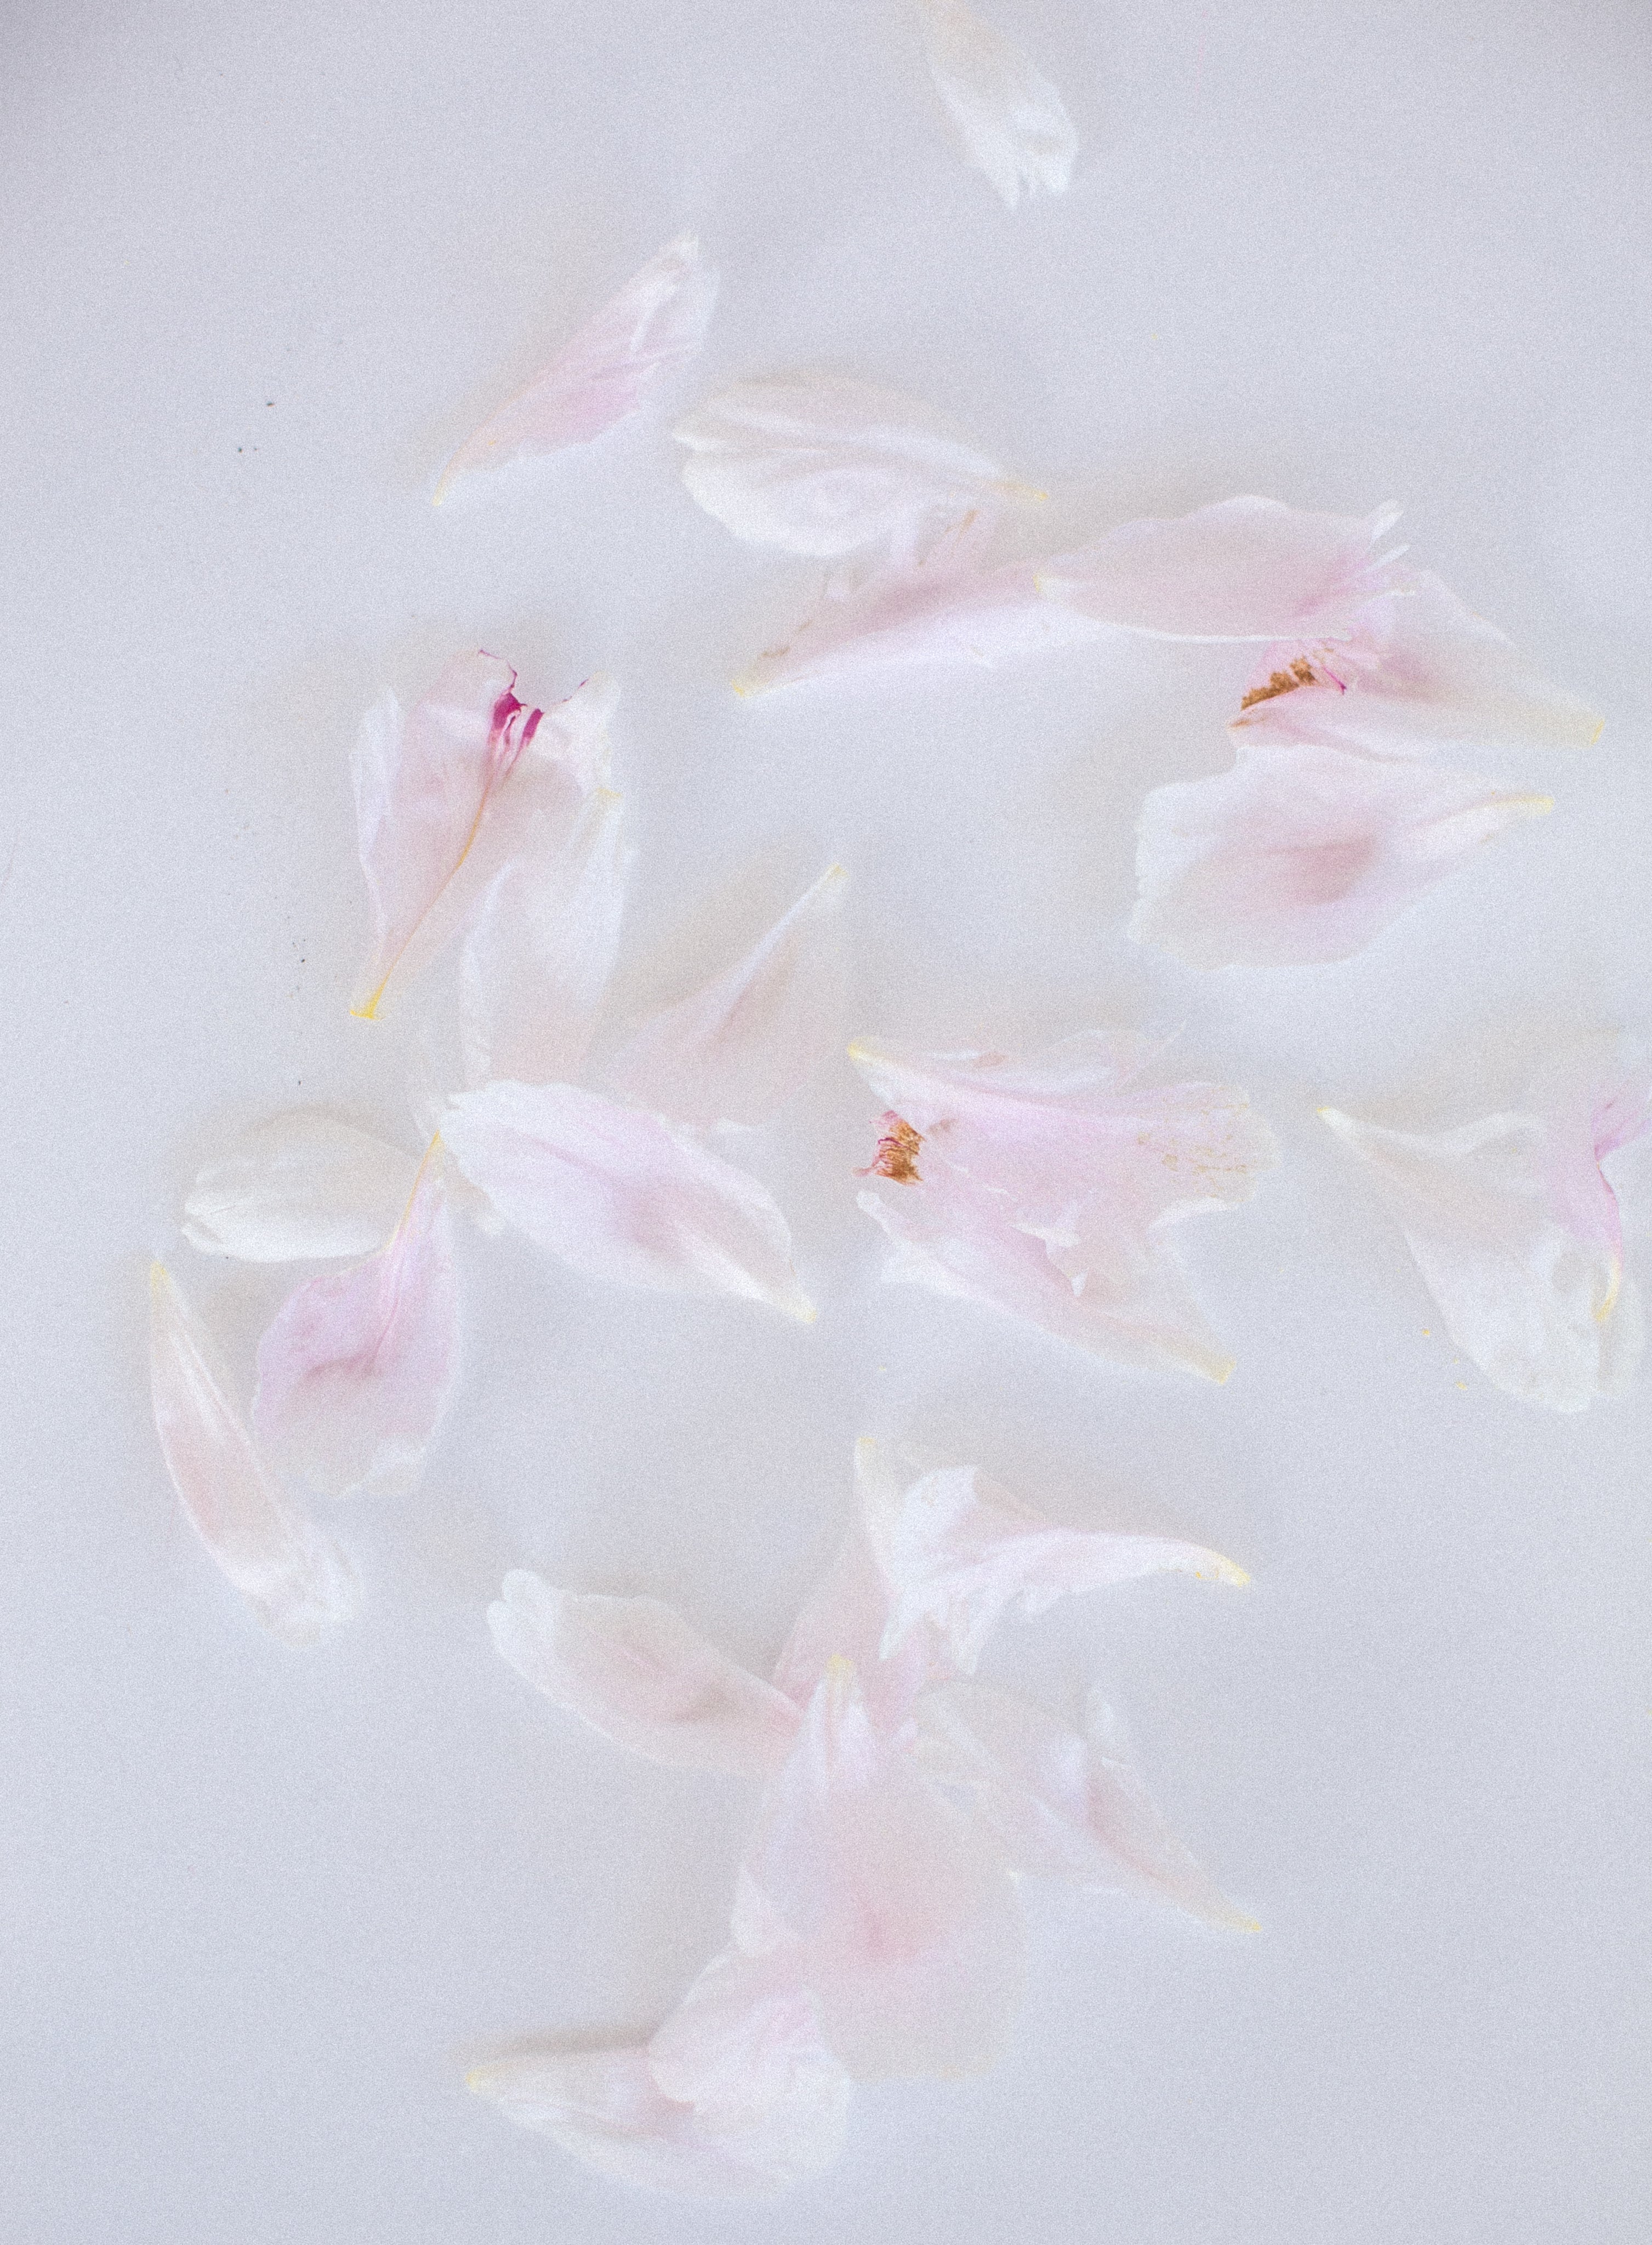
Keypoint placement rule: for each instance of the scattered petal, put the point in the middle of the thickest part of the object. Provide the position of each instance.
(354, 1371)
(1303, 854)
(1013, 123)
(622, 1195)
(634, 1670)
(655, 325)
(301, 1186)
(737, 1049)
(296, 1579)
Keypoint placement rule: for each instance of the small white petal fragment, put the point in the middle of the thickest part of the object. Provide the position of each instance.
(1062, 1804)
(654, 326)
(1013, 123)
(737, 1049)
(1303, 854)
(821, 465)
(302, 1186)
(296, 1579)
(1044, 1190)
(634, 1670)
(623, 1196)
(356, 1367)
(955, 1551)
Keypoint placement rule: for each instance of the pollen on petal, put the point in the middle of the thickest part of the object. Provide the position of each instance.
(897, 1155)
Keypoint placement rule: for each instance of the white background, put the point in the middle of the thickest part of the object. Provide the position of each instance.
(264, 267)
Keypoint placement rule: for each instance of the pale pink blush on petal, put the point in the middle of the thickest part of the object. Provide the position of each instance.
(301, 1187)
(297, 1581)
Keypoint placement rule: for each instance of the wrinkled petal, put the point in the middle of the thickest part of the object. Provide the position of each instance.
(955, 1551)
(444, 796)
(893, 1911)
(654, 325)
(535, 963)
(1303, 854)
(1413, 672)
(354, 1371)
(634, 1670)
(296, 1579)
(1012, 122)
(301, 1186)
(622, 1195)
(737, 1049)
(1043, 1189)
(1243, 569)
(1516, 1233)
(1062, 1804)
(821, 465)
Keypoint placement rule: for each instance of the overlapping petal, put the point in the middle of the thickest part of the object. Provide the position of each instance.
(1012, 122)
(302, 1186)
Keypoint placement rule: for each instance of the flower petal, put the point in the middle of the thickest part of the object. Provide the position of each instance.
(654, 325)
(1013, 123)
(1303, 854)
(296, 1579)
(302, 1185)
(821, 465)
(622, 1195)
(356, 1369)
(738, 1049)
(634, 1670)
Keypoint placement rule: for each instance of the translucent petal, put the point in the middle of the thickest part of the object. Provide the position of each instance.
(297, 1581)
(634, 1670)
(302, 1185)
(655, 325)
(1012, 122)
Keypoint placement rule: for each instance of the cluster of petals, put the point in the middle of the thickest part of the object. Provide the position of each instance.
(875, 1930)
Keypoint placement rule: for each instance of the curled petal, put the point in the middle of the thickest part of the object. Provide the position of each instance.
(354, 1371)
(821, 465)
(737, 1049)
(1302, 854)
(654, 325)
(301, 1186)
(634, 1670)
(1062, 1803)
(622, 1195)
(296, 1579)
(1012, 122)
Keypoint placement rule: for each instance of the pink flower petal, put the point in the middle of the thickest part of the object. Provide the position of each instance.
(1013, 123)
(302, 1186)
(354, 1371)
(1302, 854)
(655, 325)
(737, 1049)
(634, 1670)
(297, 1581)
(1044, 1190)
(622, 1195)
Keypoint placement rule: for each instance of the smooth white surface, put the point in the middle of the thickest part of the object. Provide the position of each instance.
(264, 268)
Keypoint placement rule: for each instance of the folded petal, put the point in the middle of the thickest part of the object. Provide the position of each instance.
(1062, 1803)
(296, 1579)
(821, 465)
(654, 325)
(894, 1912)
(1303, 854)
(301, 1186)
(355, 1370)
(622, 1195)
(1013, 123)
(1245, 569)
(955, 1551)
(738, 1049)
(634, 1670)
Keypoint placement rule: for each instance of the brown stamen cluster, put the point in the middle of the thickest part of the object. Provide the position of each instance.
(896, 1156)
(1301, 672)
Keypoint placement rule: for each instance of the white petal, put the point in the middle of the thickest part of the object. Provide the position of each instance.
(301, 1186)
(1012, 121)
(297, 1581)
(738, 1049)
(821, 465)
(654, 325)
(622, 1195)
(634, 1670)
